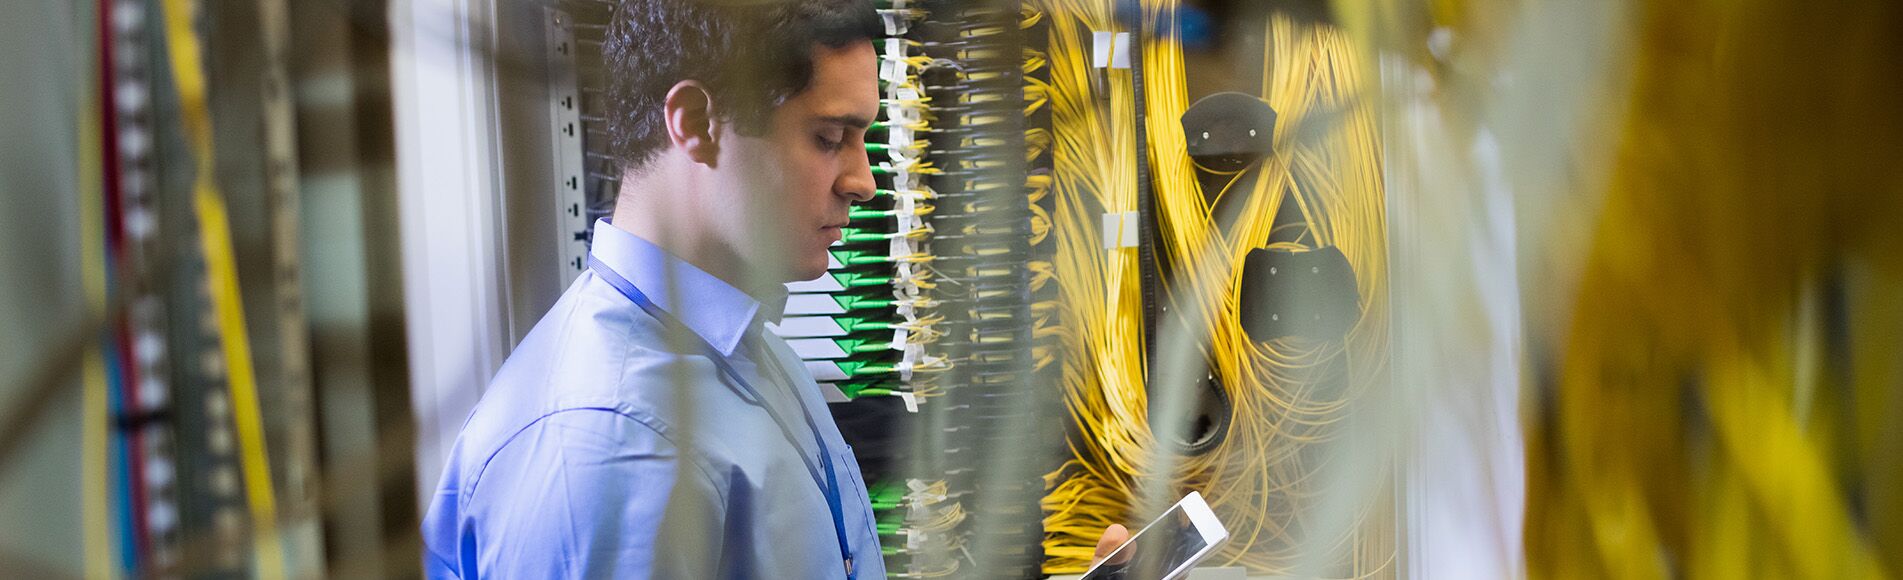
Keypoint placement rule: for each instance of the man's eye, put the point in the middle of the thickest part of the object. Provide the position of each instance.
(830, 144)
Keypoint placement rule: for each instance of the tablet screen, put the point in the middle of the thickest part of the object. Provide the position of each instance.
(1167, 544)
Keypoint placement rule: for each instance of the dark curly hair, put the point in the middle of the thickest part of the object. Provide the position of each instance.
(752, 55)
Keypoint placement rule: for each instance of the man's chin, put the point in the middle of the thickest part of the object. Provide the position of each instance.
(809, 271)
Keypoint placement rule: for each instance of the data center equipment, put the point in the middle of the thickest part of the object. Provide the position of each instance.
(272, 252)
(1048, 209)
(1055, 229)
(996, 318)
(198, 450)
(1047, 199)
(994, 328)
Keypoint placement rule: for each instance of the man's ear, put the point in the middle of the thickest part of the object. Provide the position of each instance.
(692, 122)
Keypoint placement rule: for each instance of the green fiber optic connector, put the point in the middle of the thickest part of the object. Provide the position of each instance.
(860, 280)
(880, 125)
(858, 258)
(865, 369)
(850, 302)
(862, 346)
(878, 148)
(860, 323)
(866, 214)
(888, 550)
(850, 391)
(859, 346)
(884, 192)
(883, 169)
(859, 388)
(860, 236)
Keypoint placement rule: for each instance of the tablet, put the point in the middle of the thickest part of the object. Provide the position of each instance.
(1168, 547)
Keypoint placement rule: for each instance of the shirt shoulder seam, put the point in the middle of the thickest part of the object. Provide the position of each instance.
(654, 424)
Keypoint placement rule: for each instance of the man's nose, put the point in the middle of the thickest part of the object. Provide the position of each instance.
(855, 181)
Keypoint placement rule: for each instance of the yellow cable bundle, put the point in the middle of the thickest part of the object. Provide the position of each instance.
(1258, 479)
(1726, 387)
(1093, 145)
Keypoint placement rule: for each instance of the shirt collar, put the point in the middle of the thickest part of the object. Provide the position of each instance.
(709, 306)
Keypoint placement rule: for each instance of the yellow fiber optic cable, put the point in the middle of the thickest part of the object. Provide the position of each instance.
(96, 408)
(1093, 149)
(221, 269)
(1256, 478)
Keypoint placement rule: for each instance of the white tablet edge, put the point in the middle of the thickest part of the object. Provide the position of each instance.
(1206, 524)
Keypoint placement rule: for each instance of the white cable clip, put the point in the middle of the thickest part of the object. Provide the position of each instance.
(1119, 230)
(896, 21)
(893, 66)
(1110, 49)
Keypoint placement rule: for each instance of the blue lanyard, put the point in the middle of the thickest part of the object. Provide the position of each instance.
(830, 485)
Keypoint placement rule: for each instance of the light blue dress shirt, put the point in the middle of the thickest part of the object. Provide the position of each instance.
(598, 452)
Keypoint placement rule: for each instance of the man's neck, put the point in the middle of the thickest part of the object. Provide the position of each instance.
(686, 234)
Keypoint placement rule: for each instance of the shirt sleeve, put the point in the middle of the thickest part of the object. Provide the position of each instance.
(594, 494)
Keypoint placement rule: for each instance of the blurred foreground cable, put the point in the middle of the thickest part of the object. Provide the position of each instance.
(188, 73)
(1724, 396)
(94, 410)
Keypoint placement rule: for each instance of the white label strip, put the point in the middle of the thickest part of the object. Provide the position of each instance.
(889, 72)
(832, 393)
(825, 371)
(809, 327)
(900, 135)
(824, 283)
(816, 348)
(809, 304)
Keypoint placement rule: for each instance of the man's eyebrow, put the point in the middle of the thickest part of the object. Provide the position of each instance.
(853, 121)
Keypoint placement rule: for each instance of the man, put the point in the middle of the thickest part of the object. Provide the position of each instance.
(648, 426)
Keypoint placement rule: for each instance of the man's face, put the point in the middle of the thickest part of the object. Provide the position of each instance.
(793, 186)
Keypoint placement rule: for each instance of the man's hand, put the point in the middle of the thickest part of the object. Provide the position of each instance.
(1113, 537)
